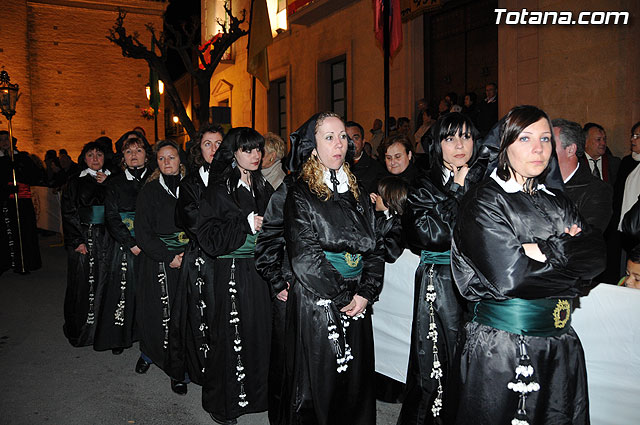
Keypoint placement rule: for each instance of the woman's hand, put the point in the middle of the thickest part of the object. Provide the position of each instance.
(284, 294)
(82, 249)
(257, 222)
(532, 250)
(459, 174)
(356, 306)
(573, 230)
(100, 176)
(177, 261)
(373, 197)
(135, 250)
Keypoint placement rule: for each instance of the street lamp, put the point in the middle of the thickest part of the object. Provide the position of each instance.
(153, 96)
(8, 97)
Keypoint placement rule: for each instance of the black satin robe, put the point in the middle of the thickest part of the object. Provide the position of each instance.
(121, 332)
(192, 306)
(155, 211)
(428, 222)
(26, 173)
(223, 228)
(273, 265)
(314, 391)
(81, 314)
(489, 263)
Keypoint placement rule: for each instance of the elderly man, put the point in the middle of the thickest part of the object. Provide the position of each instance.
(599, 159)
(274, 151)
(488, 109)
(592, 196)
(367, 171)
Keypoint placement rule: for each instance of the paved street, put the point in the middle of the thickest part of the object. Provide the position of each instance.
(47, 381)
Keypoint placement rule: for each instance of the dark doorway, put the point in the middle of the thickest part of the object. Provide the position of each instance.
(461, 49)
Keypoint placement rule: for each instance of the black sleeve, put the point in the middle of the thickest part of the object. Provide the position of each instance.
(486, 244)
(146, 237)
(71, 227)
(390, 229)
(308, 262)
(598, 210)
(113, 221)
(631, 221)
(370, 284)
(430, 216)
(222, 227)
(187, 209)
(270, 248)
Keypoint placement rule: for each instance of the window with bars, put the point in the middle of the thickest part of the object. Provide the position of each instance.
(339, 87)
(277, 113)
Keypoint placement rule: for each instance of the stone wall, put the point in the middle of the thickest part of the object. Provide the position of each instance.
(582, 73)
(76, 84)
(297, 53)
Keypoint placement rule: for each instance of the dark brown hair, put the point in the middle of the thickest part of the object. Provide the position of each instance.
(393, 190)
(519, 118)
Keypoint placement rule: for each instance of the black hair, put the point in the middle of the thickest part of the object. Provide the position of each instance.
(87, 148)
(454, 97)
(634, 254)
(355, 124)
(195, 153)
(225, 168)
(451, 124)
(402, 120)
(393, 190)
(635, 126)
(516, 120)
(472, 97)
(588, 126)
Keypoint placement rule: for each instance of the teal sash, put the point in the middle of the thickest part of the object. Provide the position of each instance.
(349, 265)
(542, 317)
(92, 215)
(174, 241)
(430, 257)
(247, 250)
(128, 218)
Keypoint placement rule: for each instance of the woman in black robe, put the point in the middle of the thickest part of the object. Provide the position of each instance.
(428, 222)
(162, 244)
(87, 243)
(26, 174)
(337, 262)
(521, 253)
(116, 323)
(192, 309)
(231, 213)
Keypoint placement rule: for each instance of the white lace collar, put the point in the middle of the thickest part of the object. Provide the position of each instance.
(93, 173)
(130, 176)
(512, 186)
(343, 180)
(204, 175)
(164, 185)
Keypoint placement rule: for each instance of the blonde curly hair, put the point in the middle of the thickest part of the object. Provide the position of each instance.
(312, 172)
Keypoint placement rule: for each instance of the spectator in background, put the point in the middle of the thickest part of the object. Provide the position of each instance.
(110, 162)
(397, 152)
(69, 168)
(452, 98)
(592, 196)
(488, 109)
(54, 176)
(444, 107)
(427, 122)
(367, 171)
(274, 150)
(422, 106)
(377, 135)
(470, 106)
(601, 162)
(632, 277)
(404, 127)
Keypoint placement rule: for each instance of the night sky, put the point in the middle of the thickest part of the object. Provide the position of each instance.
(178, 11)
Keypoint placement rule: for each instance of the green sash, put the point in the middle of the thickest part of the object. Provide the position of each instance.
(174, 241)
(92, 215)
(431, 257)
(247, 250)
(349, 265)
(128, 218)
(542, 317)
